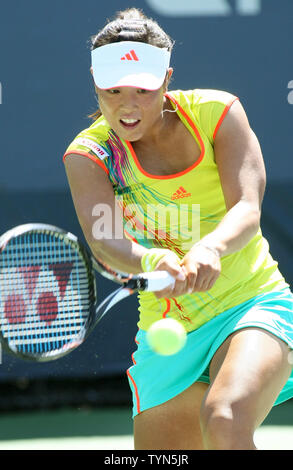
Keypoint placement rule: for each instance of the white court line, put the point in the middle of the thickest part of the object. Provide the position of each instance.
(75, 443)
(266, 438)
(274, 438)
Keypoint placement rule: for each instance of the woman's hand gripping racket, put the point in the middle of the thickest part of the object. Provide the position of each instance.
(48, 291)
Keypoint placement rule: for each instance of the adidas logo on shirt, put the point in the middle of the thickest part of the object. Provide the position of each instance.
(180, 193)
(130, 56)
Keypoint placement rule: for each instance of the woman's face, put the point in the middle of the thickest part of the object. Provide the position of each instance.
(133, 113)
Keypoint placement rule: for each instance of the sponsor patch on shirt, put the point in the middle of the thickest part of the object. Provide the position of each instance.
(96, 148)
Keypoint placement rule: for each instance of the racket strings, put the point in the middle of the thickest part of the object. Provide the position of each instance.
(46, 292)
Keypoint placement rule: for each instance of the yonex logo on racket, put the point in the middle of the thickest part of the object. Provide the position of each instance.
(130, 56)
(36, 297)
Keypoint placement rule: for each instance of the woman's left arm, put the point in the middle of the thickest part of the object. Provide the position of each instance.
(243, 178)
(242, 175)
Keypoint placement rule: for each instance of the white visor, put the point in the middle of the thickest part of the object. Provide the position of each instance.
(129, 63)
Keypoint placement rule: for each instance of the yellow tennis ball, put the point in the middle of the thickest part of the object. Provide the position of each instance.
(166, 336)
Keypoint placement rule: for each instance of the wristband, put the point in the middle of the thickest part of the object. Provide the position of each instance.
(151, 258)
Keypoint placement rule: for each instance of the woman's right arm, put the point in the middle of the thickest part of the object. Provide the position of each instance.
(91, 188)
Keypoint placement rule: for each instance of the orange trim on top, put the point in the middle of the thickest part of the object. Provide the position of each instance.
(227, 107)
(86, 154)
(176, 175)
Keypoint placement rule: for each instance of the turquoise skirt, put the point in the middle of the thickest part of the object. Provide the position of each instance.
(154, 379)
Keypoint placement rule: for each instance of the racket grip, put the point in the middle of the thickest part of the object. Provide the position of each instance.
(158, 280)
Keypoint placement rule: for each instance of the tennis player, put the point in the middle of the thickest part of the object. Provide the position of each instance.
(187, 173)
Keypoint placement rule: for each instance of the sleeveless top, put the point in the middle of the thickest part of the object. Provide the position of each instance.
(176, 211)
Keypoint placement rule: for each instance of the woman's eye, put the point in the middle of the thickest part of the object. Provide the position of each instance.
(113, 91)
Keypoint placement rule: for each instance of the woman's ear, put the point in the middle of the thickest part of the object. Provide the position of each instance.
(92, 73)
(168, 78)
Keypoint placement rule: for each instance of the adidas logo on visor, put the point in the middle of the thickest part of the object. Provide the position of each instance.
(129, 63)
(130, 56)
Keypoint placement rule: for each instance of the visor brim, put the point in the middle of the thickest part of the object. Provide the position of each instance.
(112, 70)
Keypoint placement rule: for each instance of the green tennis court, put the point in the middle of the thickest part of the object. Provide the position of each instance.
(110, 429)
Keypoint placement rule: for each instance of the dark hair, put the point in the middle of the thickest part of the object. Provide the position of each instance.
(131, 25)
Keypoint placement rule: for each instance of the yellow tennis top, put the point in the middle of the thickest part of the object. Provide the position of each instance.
(176, 211)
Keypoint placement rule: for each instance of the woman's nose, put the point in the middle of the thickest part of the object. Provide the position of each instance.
(129, 100)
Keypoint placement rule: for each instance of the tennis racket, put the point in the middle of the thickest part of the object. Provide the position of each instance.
(48, 294)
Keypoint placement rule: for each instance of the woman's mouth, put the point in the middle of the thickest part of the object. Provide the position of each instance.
(129, 123)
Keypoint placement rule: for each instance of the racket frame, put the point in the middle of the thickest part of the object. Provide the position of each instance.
(129, 284)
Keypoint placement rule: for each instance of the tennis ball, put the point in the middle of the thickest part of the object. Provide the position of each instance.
(166, 336)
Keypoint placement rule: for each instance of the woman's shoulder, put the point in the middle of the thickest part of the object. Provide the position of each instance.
(92, 140)
(206, 107)
(201, 96)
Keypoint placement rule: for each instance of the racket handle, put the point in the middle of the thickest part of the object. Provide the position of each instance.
(158, 280)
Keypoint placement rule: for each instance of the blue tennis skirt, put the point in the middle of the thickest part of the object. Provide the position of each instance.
(154, 379)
